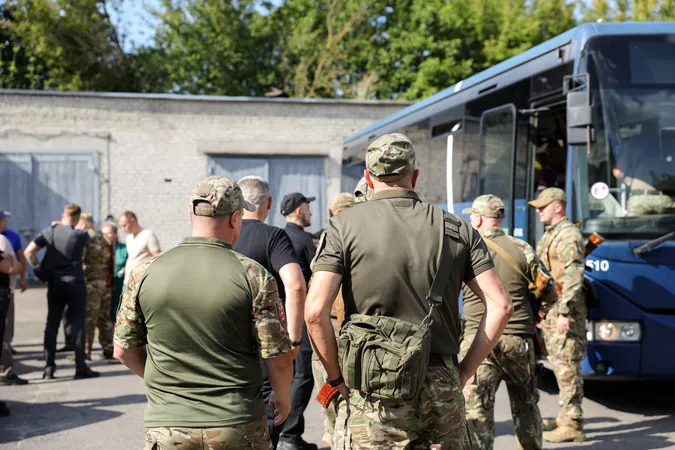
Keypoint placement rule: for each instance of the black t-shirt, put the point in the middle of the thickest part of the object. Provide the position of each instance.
(271, 248)
(66, 246)
(4, 278)
(303, 244)
(268, 246)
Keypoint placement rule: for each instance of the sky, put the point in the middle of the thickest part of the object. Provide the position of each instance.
(137, 24)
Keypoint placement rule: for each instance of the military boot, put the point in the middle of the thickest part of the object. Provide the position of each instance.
(564, 434)
(549, 424)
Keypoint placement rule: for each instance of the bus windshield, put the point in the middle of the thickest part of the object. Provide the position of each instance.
(625, 181)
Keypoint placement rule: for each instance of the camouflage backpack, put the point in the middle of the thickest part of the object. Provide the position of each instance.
(387, 358)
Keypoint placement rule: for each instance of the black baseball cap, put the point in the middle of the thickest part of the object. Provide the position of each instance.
(292, 201)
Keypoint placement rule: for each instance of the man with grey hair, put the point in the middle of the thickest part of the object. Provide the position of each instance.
(272, 248)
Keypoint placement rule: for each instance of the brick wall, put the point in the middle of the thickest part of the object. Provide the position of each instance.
(145, 141)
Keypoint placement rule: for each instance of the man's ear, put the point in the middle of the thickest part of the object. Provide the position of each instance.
(235, 217)
(269, 203)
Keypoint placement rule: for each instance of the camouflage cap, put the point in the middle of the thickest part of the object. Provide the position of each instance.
(390, 157)
(363, 192)
(487, 206)
(222, 196)
(547, 196)
(343, 200)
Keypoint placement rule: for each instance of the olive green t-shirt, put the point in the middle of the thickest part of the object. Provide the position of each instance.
(388, 250)
(206, 316)
(522, 320)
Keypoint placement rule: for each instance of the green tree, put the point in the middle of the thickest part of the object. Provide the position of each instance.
(628, 10)
(214, 47)
(64, 45)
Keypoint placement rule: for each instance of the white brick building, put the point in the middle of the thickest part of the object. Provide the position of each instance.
(111, 152)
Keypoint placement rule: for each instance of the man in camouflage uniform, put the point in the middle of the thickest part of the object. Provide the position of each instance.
(385, 253)
(561, 249)
(99, 263)
(194, 323)
(513, 358)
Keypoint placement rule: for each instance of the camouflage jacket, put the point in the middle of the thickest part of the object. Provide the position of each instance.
(561, 249)
(99, 258)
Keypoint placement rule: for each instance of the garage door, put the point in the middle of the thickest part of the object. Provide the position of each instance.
(285, 175)
(36, 186)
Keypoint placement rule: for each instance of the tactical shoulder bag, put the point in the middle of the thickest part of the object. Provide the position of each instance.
(387, 358)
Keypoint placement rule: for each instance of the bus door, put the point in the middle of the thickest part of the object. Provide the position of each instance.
(498, 161)
(547, 161)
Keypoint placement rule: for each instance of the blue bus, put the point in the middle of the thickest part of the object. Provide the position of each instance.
(591, 111)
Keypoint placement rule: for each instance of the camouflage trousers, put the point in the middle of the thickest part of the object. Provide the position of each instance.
(330, 413)
(249, 436)
(513, 361)
(565, 353)
(99, 294)
(433, 420)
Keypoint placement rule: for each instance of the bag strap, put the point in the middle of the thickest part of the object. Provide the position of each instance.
(451, 239)
(512, 262)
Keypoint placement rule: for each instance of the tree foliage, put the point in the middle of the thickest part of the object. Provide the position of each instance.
(371, 49)
(64, 45)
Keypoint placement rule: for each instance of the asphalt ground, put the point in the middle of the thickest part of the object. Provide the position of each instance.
(107, 412)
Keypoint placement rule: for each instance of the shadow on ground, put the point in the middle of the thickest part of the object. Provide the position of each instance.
(653, 399)
(36, 419)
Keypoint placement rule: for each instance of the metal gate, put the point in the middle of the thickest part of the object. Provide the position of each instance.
(35, 186)
(285, 175)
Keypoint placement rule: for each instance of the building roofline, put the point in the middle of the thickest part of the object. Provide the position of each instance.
(200, 98)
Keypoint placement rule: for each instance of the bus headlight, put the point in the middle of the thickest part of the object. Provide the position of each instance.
(611, 331)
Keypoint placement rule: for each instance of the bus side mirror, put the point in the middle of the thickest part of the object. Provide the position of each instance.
(580, 130)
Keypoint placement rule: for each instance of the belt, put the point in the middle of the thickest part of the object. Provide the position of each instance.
(436, 359)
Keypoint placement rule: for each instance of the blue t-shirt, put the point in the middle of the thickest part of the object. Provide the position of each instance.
(14, 239)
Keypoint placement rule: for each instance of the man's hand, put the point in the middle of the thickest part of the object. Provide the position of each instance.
(564, 324)
(463, 377)
(23, 283)
(281, 411)
(295, 351)
(344, 390)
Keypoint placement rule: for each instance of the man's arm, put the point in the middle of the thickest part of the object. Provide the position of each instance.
(322, 293)
(22, 260)
(498, 309)
(153, 245)
(294, 285)
(130, 331)
(280, 374)
(133, 358)
(31, 254)
(271, 335)
(5, 263)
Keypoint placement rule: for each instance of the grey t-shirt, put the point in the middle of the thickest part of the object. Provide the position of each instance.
(388, 251)
(66, 247)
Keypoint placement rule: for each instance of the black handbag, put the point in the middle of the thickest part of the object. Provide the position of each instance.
(43, 271)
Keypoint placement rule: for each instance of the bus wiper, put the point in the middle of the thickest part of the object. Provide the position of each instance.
(651, 245)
